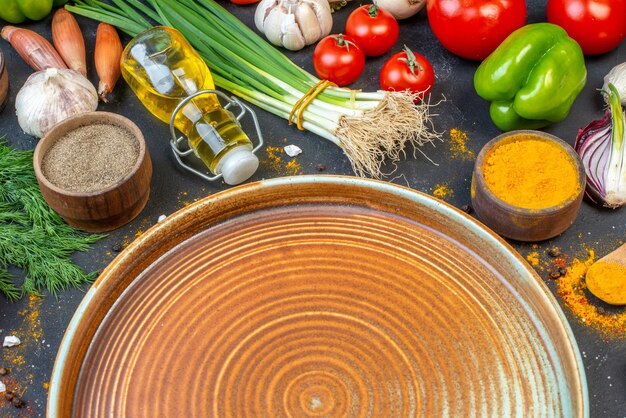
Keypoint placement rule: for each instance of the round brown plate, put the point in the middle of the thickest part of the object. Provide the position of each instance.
(318, 297)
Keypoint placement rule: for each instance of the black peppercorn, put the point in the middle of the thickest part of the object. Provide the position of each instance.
(554, 252)
(555, 274)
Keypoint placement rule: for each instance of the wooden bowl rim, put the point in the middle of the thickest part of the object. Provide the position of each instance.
(517, 210)
(89, 118)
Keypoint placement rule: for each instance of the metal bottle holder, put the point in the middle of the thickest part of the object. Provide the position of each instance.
(175, 142)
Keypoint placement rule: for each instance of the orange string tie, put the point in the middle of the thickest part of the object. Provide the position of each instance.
(305, 100)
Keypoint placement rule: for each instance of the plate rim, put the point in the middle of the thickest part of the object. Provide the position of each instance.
(418, 197)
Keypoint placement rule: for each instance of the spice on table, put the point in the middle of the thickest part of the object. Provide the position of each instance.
(4, 371)
(606, 278)
(91, 158)
(607, 281)
(531, 173)
(554, 252)
(458, 145)
(555, 274)
(571, 289)
(442, 191)
(533, 258)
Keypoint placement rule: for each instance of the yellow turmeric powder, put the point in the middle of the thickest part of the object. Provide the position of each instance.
(571, 289)
(607, 281)
(531, 173)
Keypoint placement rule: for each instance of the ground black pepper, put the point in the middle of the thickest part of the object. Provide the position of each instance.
(91, 158)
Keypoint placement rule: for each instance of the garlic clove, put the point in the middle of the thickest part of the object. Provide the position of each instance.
(324, 16)
(262, 11)
(308, 23)
(292, 35)
(293, 24)
(274, 25)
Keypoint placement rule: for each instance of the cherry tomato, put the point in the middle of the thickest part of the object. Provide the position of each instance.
(597, 25)
(407, 70)
(339, 59)
(473, 29)
(374, 29)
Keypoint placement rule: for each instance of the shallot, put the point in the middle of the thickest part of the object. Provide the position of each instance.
(107, 57)
(68, 41)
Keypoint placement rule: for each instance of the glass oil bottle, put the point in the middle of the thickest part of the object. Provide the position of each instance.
(163, 70)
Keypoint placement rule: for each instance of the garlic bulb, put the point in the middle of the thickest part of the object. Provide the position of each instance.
(617, 77)
(293, 23)
(53, 95)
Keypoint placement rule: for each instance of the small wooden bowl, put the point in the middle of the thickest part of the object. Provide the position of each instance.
(4, 82)
(519, 223)
(106, 209)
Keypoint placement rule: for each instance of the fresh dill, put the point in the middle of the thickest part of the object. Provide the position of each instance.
(33, 237)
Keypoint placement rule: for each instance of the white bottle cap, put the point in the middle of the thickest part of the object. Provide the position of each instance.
(238, 165)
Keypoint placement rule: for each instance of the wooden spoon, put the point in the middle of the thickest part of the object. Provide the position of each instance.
(606, 278)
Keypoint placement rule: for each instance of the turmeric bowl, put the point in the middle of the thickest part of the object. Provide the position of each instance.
(527, 185)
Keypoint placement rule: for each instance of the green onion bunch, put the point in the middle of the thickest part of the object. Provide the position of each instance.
(370, 127)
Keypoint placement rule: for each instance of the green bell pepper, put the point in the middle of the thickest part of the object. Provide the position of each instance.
(532, 78)
(17, 11)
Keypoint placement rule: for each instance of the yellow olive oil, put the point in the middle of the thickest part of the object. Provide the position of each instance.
(163, 69)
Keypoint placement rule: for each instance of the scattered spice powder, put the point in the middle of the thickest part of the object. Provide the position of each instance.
(458, 145)
(442, 191)
(91, 158)
(292, 168)
(571, 288)
(531, 173)
(275, 162)
(274, 158)
(31, 334)
(533, 258)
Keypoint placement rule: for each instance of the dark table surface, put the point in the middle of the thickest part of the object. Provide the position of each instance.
(40, 323)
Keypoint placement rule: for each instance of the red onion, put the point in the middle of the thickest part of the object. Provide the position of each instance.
(602, 149)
